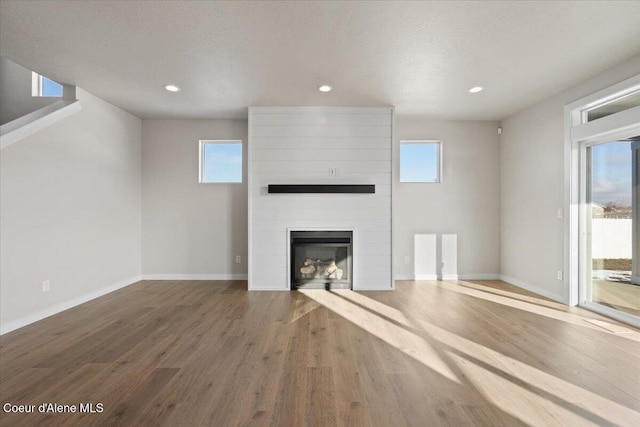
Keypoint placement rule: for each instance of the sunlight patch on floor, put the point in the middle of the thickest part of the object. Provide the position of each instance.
(394, 335)
(514, 295)
(508, 391)
(378, 307)
(567, 317)
(302, 308)
(561, 389)
(516, 400)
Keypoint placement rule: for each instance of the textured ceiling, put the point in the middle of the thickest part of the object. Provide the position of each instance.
(420, 57)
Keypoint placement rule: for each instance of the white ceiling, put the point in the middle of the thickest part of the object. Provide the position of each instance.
(420, 57)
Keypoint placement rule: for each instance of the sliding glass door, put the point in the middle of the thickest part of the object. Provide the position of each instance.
(610, 191)
(602, 201)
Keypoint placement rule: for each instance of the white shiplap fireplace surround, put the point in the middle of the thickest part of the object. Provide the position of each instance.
(319, 145)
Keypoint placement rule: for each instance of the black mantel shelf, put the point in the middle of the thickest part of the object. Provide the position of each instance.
(323, 188)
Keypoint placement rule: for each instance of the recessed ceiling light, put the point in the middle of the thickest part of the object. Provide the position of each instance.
(476, 89)
(172, 88)
(325, 88)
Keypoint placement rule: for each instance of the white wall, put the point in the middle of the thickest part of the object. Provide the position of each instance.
(452, 228)
(298, 145)
(70, 203)
(190, 230)
(15, 87)
(532, 186)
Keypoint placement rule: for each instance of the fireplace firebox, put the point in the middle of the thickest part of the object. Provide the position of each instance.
(321, 259)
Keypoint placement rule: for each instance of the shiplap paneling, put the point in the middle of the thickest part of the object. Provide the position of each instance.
(299, 145)
(364, 225)
(321, 167)
(343, 131)
(322, 119)
(312, 178)
(316, 142)
(319, 155)
(321, 110)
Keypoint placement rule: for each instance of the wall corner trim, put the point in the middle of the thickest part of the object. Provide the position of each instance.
(32, 318)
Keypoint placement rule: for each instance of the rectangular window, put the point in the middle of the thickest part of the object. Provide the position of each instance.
(612, 107)
(45, 87)
(220, 161)
(420, 161)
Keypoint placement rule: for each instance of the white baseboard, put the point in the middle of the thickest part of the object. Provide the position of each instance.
(534, 289)
(425, 277)
(448, 277)
(635, 279)
(194, 277)
(479, 277)
(27, 320)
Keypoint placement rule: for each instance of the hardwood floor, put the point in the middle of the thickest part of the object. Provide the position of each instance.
(203, 353)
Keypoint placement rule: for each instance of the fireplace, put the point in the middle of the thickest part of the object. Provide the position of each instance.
(321, 259)
(328, 171)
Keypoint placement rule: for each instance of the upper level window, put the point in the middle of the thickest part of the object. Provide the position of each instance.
(420, 161)
(608, 107)
(220, 161)
(43, 86)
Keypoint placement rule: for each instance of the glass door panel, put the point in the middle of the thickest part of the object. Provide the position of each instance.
(611, 173)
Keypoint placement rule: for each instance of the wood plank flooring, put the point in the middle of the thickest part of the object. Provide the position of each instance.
(205, 353)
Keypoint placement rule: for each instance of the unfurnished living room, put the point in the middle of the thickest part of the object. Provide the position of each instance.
(319, 213)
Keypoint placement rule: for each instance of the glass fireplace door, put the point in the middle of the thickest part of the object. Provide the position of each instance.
(321, 259)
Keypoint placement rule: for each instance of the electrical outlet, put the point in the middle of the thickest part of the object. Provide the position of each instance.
(331, 172)
(560, 213)
(238, 259)
(559, 274)
(46, 285)
(406, 259)
(336, 172)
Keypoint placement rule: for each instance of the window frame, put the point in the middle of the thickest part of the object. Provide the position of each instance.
(37, 86)
(201, 167)
(438, 143)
